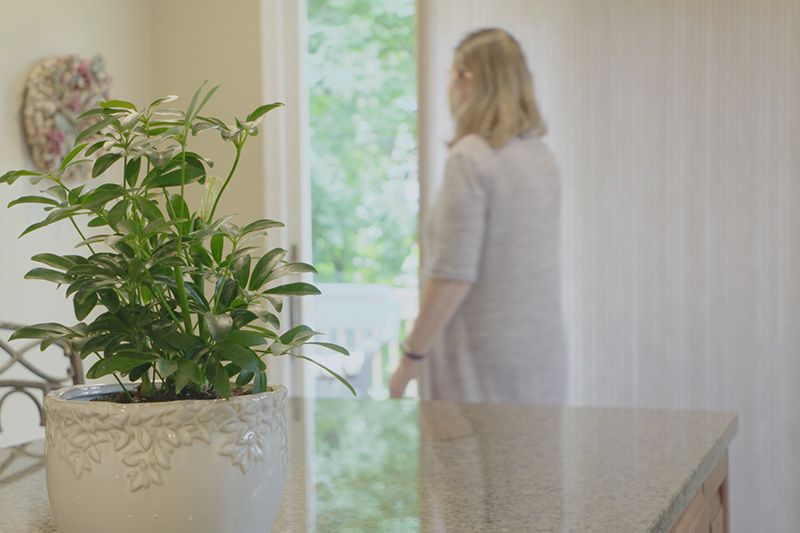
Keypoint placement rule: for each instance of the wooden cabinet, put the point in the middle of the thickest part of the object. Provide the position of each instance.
(708, 510)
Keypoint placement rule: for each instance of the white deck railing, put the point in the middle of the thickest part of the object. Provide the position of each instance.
(368, 320)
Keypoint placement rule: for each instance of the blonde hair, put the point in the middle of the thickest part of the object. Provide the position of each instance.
(502, 104)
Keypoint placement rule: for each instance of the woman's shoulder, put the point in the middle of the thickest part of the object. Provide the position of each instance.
(472, 148)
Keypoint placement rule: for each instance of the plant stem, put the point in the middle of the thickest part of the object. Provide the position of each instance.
(75, 225)
(184, 301)
(227, 180)
(181, 286)
(124, 388)
(199, 282)
(163, 300)
(71, 218)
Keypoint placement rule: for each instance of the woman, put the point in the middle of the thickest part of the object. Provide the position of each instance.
(490, 326)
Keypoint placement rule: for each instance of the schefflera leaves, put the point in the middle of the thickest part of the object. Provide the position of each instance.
(174, 298)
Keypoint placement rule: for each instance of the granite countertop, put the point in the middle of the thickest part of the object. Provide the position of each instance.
(396, 466)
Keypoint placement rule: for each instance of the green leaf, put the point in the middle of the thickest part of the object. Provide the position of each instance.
(163, 99)
(329, 345)
(95, 147)
(57, 192)
(41, 331)
(149, 209)
(218, 325)
(207, 97)
(128, 226)
(264, 266)
(109, 299)
(261, 110)
(241, 270)
(13, 175)
(166, 367)
(294, 289)
(288, 269)
(96, 222)
(260, 383)
(270, 318)
(242, 318)
(190, 370)
(226, 291)
(84, 306)
(177, 208)
(239, 355)
(91, 113)
(137, 373)
(298, 334)
(54, 260)
(197, 297)
(181, 341)
(47, 274)
(244, 377)
(261, 225)
(219, 379)
(193, 101)
(118, 212)
(54, 216)
(120, 362)
(103, 162)
(328, 370)
(173, 178)
(94, 128)
(102, 195)
(132, 171)
(275, 301)
(32, 200)
(124, 104)
(92, 240)
(71, 155)
(245, 338)
(201, 256)
(266, 333)
(217, 242)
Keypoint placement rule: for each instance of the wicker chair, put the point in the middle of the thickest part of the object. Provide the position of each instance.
(40, 382)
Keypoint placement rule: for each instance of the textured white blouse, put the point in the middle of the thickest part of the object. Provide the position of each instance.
(496, 225)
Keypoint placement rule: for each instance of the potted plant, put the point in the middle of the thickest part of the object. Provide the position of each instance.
(181, 304)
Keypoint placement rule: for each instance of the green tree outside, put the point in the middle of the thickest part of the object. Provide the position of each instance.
(367, 469)
(365, 193)
(365, 196)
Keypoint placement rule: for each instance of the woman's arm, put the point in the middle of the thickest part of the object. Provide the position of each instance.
(441, 298)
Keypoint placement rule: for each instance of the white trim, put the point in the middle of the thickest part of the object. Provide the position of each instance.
(285, 140)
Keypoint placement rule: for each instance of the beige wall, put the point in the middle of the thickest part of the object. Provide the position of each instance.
(30, 30)
(152, 48)
(676, 126)
(197, 40)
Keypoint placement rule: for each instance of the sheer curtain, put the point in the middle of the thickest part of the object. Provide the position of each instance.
(676, 124)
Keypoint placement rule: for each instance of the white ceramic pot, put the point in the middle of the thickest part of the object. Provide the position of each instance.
(190, 466)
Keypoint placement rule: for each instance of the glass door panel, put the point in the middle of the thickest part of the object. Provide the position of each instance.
(361, 74)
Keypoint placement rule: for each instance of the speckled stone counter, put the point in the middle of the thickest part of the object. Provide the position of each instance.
(395, 466)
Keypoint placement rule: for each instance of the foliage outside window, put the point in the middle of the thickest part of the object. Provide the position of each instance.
(363, 139)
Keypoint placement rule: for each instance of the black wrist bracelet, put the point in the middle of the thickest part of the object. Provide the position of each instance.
(414, 356)
(411, 355)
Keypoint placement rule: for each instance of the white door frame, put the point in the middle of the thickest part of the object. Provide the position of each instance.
(287, 198)
(286, 141)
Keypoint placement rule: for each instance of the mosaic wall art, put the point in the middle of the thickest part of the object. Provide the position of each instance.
(58, 90)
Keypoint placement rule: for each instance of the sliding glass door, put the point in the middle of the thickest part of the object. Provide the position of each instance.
(361, 76)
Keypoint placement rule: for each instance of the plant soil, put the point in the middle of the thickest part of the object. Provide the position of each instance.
(165, 396)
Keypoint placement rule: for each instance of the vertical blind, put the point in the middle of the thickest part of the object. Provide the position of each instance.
(676, 124)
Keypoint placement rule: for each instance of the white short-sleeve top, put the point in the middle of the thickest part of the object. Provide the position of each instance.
(496, 224)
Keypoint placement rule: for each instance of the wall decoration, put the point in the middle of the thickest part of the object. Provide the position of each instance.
(58, 90)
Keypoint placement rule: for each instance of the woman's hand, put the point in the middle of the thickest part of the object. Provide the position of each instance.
(407, 370)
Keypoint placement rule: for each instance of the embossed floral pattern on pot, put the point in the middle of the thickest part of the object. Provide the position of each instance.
(145, 435)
